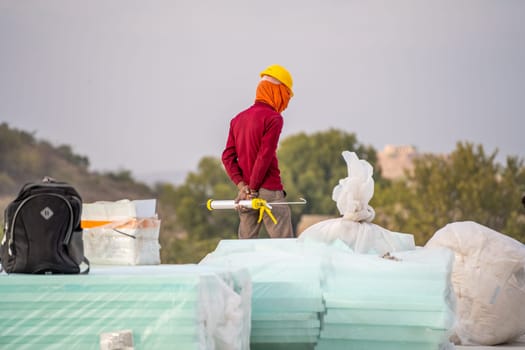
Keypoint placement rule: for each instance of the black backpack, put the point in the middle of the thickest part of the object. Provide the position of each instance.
(42, 232)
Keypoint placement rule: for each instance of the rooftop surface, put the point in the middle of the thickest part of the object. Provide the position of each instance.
(519, 344)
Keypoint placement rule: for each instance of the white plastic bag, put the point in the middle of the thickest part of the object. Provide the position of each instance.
(352, 195)
(489, 281)
(361, 237)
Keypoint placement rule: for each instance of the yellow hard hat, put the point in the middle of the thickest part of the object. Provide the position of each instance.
(280, 73)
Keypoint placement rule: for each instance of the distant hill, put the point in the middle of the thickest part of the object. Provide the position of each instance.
(25, 159)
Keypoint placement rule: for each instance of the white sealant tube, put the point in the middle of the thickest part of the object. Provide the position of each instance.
(227, 204)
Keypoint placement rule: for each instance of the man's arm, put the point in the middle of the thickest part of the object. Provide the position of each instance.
(229, 160)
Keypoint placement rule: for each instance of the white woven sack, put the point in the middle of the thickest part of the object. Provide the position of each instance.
(488, 278)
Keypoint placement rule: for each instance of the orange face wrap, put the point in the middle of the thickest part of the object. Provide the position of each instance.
(276, 95)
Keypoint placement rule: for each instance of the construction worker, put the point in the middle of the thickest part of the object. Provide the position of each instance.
(250, 155)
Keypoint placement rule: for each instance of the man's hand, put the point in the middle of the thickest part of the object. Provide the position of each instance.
(244, 192)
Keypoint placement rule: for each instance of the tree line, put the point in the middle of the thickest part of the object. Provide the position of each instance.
(467, 184)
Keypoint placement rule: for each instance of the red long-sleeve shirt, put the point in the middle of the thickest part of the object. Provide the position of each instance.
(250, 154)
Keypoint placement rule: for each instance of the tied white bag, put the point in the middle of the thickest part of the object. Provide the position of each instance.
(352, 195)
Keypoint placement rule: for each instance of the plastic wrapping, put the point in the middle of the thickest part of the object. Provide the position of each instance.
(121, 233)
(352, 195)
(286, 283)
(310, 294)
(130, 242)
(361, 237)
(489, 280)
(402, 301)
(118, 210)
(165, 306)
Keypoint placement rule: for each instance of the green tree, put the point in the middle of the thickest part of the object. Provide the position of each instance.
(17, 156)
(209, 182)
(466, 185)
(203, 229)
(67, 153)
(312, 165)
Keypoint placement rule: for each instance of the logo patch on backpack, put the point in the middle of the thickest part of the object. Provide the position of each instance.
(46, 213)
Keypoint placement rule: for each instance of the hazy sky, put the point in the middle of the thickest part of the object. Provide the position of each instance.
(150, 86)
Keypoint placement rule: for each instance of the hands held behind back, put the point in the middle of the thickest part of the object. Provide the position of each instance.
(245, 194)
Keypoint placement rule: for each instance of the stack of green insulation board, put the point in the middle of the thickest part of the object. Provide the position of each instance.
(323, 296)
(286, 290)
(400, 301)
(247, 294)
(164, 307)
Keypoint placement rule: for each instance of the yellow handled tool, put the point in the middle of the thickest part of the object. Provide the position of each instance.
(256, 203)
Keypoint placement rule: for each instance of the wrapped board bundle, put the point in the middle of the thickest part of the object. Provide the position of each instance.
(187, 307)
(489, 280)
(308, 294)
(121, 233)
(352, 195)
(398, 301)
(286, 290)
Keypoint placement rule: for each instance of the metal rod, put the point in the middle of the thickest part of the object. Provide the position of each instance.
(301, 201)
